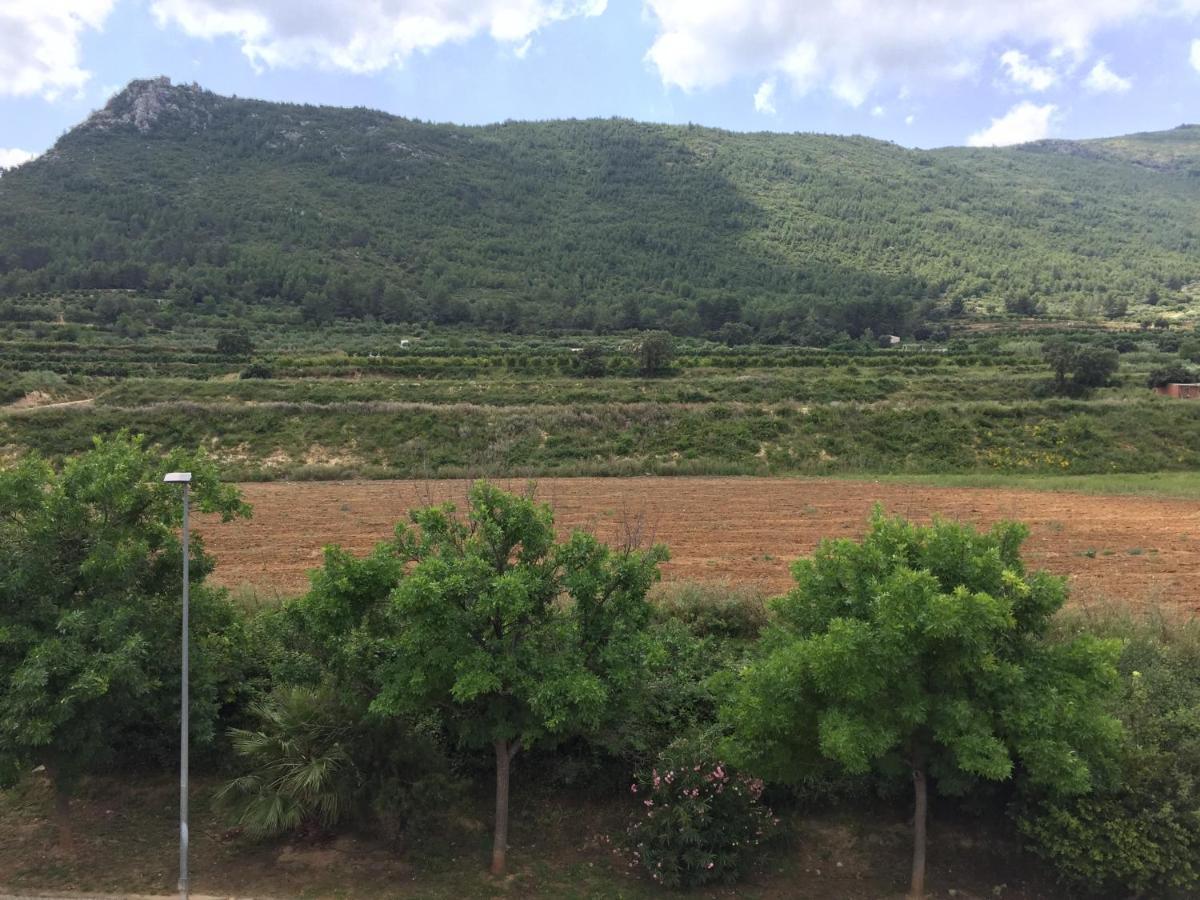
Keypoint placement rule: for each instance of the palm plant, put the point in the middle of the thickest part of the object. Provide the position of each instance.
(302, 776)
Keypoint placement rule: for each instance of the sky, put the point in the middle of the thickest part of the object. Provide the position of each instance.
(921, 73)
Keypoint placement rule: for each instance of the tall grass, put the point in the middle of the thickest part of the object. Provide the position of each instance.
(713, 608)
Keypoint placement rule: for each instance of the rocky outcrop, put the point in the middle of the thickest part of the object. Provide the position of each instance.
(144, 103)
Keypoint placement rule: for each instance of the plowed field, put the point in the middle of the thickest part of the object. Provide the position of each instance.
(1132, 549)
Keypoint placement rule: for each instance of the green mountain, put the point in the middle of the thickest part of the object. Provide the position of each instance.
(223, 204)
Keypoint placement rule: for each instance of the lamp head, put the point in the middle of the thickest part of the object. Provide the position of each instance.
(177, 478)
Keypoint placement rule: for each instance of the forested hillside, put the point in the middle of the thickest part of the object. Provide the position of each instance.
(224, 204)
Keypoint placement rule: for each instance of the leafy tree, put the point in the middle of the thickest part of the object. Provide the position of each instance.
(1094, 366)
(1022, 305)
(654, 351)
(514, 639)
(1116, 307)
(1190, 349)
(1139, 834)
(1060, 356)
(1087, 366)
(90, 609)
(234, 343)
(922, 649)
(591, 361)
(735, 334)
(1173, 374)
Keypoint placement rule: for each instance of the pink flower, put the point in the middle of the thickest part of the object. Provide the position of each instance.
(710, 865)
(648, 803)
(633, 789)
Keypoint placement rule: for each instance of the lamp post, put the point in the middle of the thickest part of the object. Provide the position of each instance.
(184, 478)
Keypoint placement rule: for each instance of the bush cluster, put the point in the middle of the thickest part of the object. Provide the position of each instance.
(701, 821)
(1140, 829)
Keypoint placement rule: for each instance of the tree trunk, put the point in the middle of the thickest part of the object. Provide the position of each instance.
(920, 813)
(504, 754)
(62, 812)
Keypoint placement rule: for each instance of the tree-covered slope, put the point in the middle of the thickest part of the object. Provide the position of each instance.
(177, 192)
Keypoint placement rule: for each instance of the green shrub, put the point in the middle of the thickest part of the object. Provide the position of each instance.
(234, 343)
(316, 762)
(301, 776)
(257, 370)
(714, 610)
(1176, 373)
(699, 821)
(1141, 832)
(42, 380)
(675, 693)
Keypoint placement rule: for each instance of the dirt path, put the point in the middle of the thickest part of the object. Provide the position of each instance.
(30, 403)
(1134, 549)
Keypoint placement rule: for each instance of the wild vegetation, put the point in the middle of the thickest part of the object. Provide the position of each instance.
(226, 205)
(403, 679)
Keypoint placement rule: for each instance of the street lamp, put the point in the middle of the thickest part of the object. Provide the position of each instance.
(184, 478)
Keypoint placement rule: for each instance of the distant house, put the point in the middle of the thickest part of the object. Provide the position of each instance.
(404, 344)
(1180, 391)
(892, 339)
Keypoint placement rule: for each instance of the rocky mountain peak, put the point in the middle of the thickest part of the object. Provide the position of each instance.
(144, 102)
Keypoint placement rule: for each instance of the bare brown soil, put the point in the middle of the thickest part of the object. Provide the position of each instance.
(1138, 550)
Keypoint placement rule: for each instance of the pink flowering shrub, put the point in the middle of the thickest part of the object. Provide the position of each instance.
(697, 821)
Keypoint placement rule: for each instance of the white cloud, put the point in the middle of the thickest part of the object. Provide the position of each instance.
(764, 97)
(12, 156)
(853, 47)
(39, 44)
(1103, 80)
(1196, 54)
(878, 111)
(362, 35)
(1026, 73)
(1024, 122)
(908, 120)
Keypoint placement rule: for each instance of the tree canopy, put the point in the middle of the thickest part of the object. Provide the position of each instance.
(587, 225)
(920, 649)
(90, 608)
(511, 638)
